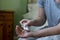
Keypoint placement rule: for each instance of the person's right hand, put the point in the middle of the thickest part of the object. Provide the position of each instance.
(28, 22)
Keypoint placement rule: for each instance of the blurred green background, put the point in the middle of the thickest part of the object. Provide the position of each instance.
(18, 6)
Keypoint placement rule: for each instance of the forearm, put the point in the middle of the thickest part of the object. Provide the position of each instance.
(39, 22)
(47, 32)
(41, 18)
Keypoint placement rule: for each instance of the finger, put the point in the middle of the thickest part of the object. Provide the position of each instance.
(18, 30)
(23, 21)
(23, 31)
(27, 24)
(27, 30)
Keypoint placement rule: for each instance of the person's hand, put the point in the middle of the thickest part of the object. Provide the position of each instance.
(28, 22)
(23, 33)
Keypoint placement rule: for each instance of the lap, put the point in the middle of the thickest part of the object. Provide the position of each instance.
(26, 39)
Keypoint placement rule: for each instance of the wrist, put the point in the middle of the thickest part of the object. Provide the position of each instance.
(30, 34)
(33, 34)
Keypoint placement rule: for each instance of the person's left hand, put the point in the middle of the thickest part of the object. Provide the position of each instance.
(24, 33)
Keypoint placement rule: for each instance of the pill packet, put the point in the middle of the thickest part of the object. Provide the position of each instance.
(24, 26)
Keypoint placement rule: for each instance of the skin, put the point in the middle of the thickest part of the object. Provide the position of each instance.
(47, 32)
(38, 22)
(41, 33)
(57, 0)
